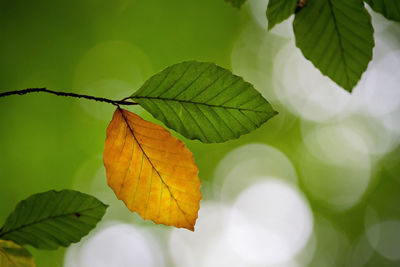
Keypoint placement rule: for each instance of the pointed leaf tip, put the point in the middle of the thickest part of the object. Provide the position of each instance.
(337, 37)
(279, 10)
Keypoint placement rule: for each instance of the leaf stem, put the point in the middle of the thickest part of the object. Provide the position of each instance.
(99, 99)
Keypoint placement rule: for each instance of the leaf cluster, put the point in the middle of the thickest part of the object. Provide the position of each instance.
(152, 171)
(337, 36)
(149, 169)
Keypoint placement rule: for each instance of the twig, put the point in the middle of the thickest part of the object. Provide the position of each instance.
(99, 99)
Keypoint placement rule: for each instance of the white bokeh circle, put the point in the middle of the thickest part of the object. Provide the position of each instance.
(116, 245)
(247, 164)
(188, 249)
(336, 165)
(270, 223)
(384, 237)
(302, 89)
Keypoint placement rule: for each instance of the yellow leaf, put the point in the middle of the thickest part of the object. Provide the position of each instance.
(151, 171)
(13, 255)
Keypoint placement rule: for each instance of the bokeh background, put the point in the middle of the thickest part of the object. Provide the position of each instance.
(317, 185)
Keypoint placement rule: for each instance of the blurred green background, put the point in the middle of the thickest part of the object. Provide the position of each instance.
(339, 151)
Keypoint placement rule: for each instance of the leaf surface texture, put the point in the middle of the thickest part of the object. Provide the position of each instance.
(52, 219)
(337, 37)
(279, 10)
(204, 101)
(390, 9)
(151, 171)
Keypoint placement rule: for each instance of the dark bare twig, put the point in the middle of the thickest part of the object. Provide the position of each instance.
(99, 99)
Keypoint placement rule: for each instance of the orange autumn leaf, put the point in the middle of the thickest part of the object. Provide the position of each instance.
(151, 171)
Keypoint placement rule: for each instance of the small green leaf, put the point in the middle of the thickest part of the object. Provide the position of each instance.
(337, 37)
(204, 101)
(279, 10)
(390, 9)
(52, 219)
(13, 255)
(236, 3)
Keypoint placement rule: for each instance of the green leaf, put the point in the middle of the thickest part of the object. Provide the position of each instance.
(337, 37)
(52, 219)
(13, 255)
(390, 9)
(279, 10)
(204, 101)
(236, 3)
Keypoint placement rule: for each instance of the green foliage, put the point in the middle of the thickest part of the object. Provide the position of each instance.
(204, 101)
(388, 8)
(337, 37)
(236, 3)
(52, 219)
(13, 255)
(279, 10)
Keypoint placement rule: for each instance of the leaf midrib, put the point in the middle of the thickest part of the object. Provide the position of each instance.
(152, 165)
(199, 103)
(340, 42)
(45, 219)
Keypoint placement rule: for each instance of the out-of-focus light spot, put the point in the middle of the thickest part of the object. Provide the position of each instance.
(382, 220)
(189, 249)
(270, 223)
(378, 92)
(220, 254)
(332, 245)
(361, 252)
(106, 87)
(284, 29)
(335, 166)
(249, 163)
(258, 9)
(372, 133)
(378, 21)
(334, 143)
(253, 57)
(211, 243)
(377, 96)
(384, 237)
(392, 122)
(112, 60)
(111, 69)
(86, 172)
(302, 89)
(117, 245)
(391, 164)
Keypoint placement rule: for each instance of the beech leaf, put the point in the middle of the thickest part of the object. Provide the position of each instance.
(52, 219)
(279, 10)
(337, 37)
(13, 255)
(151, 171)
(390, 9)
(203, 101)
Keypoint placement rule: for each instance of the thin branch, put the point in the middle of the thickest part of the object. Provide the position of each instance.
(99, 99)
